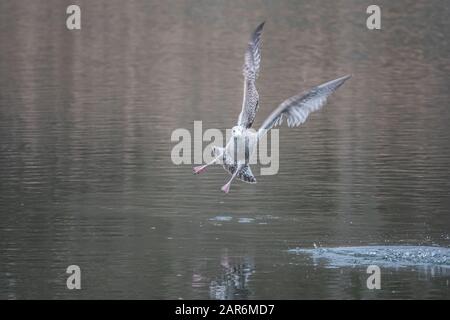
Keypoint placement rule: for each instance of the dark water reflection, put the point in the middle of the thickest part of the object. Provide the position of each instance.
(85, 171)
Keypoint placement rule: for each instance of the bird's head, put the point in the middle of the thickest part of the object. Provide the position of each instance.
(236, 131)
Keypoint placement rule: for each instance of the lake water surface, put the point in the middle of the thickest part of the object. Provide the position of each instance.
(86, 176)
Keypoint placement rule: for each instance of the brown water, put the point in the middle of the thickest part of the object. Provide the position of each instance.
(86, 176)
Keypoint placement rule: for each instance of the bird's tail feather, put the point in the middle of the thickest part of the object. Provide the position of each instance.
(245, 174)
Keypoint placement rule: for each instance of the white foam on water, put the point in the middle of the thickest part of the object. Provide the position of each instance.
(221, 218)
(388, 256)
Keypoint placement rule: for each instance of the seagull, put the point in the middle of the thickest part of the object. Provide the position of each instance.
(243, 139)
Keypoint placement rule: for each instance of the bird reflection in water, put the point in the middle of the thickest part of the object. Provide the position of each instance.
(233, 282)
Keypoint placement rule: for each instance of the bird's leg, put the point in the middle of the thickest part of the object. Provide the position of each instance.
(201, 169)
(226, 187)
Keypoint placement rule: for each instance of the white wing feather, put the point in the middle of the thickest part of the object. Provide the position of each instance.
(251, 71)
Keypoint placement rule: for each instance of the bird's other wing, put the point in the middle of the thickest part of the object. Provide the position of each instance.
(297, 108)
(250, 71)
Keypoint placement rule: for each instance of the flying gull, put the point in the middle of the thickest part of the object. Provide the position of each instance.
(243, 140)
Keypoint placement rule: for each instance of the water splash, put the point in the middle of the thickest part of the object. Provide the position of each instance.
(221, 218)
(387, 256)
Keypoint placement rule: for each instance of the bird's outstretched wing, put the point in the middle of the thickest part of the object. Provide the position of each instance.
(250, 71)
(297, 108)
